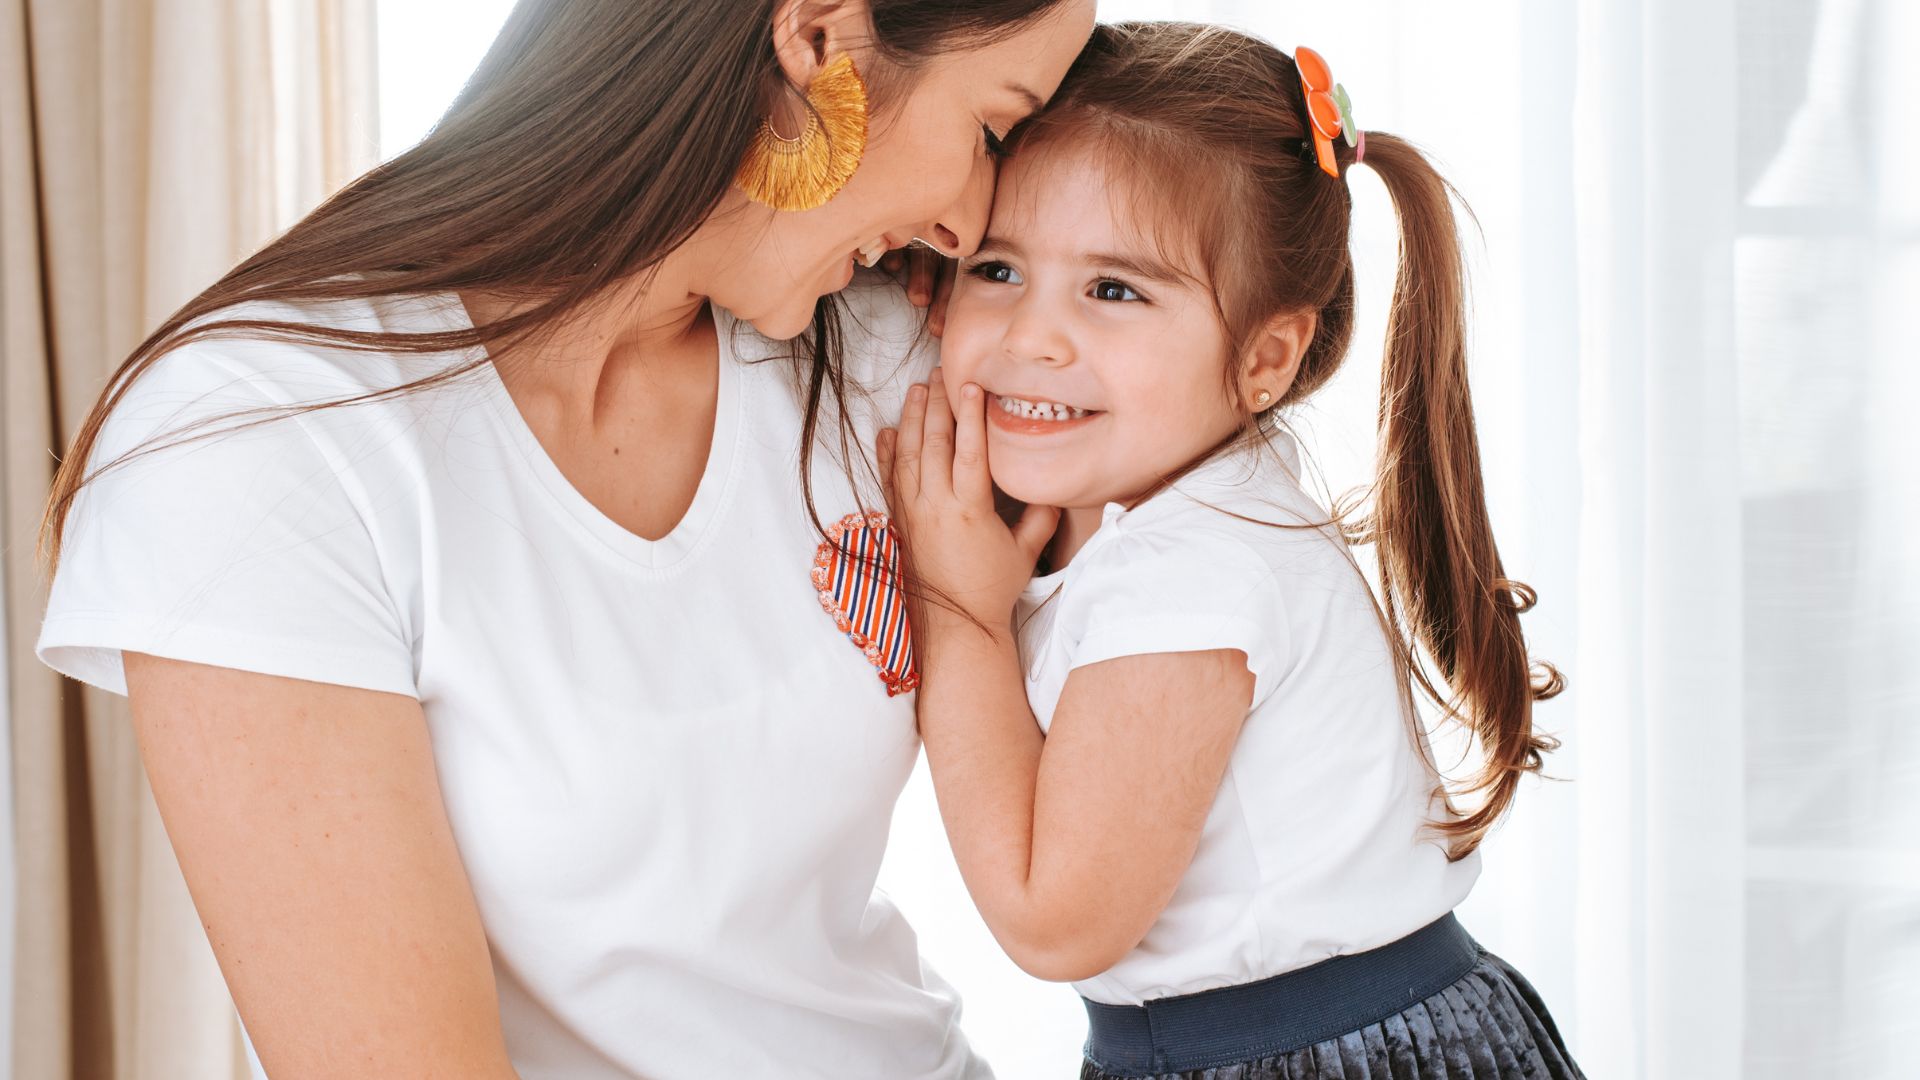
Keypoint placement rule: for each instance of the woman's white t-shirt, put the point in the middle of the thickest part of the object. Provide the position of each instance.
(669, 773)
(1314, 846)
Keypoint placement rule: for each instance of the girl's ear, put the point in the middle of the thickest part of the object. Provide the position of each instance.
(1274, 359)
(809, 33)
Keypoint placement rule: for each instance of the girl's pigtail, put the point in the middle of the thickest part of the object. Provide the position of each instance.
(1440, 572)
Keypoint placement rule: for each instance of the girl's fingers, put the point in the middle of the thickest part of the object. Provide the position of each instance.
(942, 292)
(936, 439)
(1034, 529)
(971, 481)
(923, 268)
(907, 441)
(883, 452)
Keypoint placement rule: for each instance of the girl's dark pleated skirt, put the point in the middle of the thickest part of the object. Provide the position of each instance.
(1433, 1006)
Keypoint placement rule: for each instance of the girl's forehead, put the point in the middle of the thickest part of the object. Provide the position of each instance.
(1083, 197)
(1054, 189)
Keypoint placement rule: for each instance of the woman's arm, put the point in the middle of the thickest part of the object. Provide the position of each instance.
(308, 821)
(1071, 845)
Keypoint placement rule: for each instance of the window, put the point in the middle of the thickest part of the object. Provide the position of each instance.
(427, 50)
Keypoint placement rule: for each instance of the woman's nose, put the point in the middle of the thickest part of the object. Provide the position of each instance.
(958, 231)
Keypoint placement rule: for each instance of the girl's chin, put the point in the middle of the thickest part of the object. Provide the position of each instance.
(1045, 489)
(1031, 492)
(1037, 479)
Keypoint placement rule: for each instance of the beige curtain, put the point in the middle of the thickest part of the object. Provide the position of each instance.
(145, 146)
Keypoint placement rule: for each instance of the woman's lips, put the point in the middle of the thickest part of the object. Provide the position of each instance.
(868, 256)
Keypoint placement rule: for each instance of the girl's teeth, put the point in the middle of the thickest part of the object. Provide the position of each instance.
(1040, 410)
(871, 254)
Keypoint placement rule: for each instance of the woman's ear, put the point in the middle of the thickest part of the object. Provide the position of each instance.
(809, 33)
(1274, 359)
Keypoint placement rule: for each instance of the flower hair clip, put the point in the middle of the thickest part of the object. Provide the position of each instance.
(1329, 111)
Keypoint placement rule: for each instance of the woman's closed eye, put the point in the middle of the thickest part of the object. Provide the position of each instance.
(996, 144)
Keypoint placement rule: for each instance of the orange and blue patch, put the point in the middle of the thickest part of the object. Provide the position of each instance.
(856, 572)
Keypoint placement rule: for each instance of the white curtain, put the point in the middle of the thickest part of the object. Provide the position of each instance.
(145, 147)
(1698, 245)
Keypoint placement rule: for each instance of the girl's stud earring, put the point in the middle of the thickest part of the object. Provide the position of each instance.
(1261, 399)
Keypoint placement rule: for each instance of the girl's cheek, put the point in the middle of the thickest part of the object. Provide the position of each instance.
(961, 347)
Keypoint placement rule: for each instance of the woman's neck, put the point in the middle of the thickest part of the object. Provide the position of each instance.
(657, 320)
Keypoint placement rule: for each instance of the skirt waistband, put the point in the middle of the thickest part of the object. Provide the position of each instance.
(1283, 1013)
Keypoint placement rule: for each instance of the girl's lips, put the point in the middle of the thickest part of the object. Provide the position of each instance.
(1016, 424)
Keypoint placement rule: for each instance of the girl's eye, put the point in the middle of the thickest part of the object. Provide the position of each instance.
(994, 271)
(996, 148)
(1117, 291)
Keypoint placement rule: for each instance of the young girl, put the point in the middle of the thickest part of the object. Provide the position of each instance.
(1231, 837)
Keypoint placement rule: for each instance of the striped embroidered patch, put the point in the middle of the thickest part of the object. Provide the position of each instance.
(856, 572)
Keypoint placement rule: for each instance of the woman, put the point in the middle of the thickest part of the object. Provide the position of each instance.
(451, 554)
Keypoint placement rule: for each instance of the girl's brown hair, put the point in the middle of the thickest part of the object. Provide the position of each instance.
(1270, 229)
(592, 140)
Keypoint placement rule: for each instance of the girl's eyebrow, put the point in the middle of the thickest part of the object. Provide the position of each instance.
(995, 245)
(1135, 266)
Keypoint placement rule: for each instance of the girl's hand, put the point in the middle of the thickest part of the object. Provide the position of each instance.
(935, 471)
(928, 276)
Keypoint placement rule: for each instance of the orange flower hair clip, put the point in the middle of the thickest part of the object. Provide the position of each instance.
(1329, 109)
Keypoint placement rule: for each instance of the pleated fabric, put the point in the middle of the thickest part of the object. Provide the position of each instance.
(1489, 1025)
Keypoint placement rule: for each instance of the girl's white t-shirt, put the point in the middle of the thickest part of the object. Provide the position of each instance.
(1314, 846)
(669, 773)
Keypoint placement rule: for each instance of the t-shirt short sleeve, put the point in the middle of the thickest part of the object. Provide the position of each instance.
(240, 547)
(1165, 589)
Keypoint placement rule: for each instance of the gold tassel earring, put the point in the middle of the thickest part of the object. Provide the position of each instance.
(805, 172)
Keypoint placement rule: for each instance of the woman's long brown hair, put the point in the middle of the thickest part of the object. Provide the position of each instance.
(592, 140)
(1219, 117)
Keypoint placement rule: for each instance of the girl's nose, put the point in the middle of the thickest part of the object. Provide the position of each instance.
(1037, 335)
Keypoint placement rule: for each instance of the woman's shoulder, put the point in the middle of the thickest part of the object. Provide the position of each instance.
(223, 523)
(259, 356)
(291, 350)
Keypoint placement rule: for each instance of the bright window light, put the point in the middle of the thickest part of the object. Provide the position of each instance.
(427, 50)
